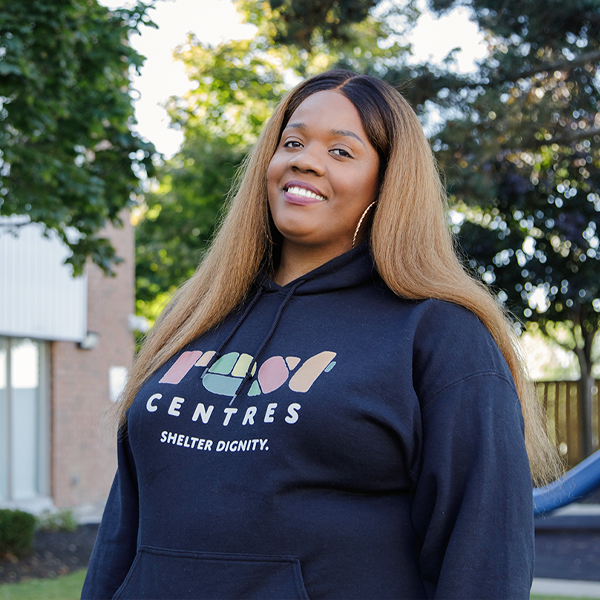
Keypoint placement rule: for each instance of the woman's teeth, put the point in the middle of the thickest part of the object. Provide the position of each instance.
(298, 191)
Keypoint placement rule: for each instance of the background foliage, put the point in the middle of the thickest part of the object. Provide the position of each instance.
(68, 156)
(17, 529)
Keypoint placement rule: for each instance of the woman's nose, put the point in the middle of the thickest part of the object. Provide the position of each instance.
(307, 160)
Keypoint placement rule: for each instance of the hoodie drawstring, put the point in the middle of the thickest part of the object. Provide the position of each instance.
(215, 357)
(248, 374)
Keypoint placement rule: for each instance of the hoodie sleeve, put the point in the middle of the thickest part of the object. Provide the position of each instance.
(473, 506)
(116, 544)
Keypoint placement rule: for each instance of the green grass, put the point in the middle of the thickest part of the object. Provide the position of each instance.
(67, 587)
(536, 597)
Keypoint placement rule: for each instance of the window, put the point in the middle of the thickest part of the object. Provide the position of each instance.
(24, 421)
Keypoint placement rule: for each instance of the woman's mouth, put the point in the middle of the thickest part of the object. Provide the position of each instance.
(300, 195)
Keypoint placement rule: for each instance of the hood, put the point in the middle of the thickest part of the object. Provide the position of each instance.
(345, 271)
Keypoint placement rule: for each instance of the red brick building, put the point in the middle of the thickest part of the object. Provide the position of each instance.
(65, 349)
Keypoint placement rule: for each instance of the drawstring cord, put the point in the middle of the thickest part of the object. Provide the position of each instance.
(248, 374)
(215, 357)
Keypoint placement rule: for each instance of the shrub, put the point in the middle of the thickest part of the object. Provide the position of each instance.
(62, 520)
(16, 532)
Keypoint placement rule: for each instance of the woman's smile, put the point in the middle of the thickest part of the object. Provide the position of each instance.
(298, 192)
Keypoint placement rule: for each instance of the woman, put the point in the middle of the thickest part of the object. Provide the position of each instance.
(330, 407)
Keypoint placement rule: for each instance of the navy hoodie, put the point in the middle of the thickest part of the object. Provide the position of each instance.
(374, 450)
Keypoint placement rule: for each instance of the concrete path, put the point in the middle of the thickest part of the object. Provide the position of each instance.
(567, 545)
(563, 587)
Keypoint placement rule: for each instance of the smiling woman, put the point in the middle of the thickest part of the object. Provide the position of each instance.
(310, 419)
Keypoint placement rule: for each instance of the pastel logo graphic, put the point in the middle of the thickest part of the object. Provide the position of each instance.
(224, 377)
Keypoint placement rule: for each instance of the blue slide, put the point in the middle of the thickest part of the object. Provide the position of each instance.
(572, 486)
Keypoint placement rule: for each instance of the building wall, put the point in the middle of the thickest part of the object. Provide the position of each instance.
(39, 297)
(83, 455)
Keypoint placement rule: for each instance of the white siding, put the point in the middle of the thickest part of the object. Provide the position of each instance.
(38, 296)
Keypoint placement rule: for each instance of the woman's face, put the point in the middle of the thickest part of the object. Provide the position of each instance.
(323, 175)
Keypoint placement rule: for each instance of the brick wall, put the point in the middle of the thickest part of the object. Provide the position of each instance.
(83, 456)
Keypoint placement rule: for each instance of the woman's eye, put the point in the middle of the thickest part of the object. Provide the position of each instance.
(341, 152)
(292, 144)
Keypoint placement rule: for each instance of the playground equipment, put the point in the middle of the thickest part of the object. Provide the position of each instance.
(572, 486)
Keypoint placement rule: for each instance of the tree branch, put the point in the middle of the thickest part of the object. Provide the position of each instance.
(507, 75)
(12, 225)
(561, 65)
(595, 18)
(574, 136)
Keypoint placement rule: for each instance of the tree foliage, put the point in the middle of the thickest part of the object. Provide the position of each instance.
(295, 22)
(235, 89)
(520, 148)
(180, 218)
(68, 156)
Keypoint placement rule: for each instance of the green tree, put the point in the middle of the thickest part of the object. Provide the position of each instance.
(180, 218)
(235, 89)
(295, 22)
(68, 156)
(519, 146)
(322, 25)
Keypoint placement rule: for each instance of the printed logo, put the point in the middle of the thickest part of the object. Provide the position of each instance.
(224, 377)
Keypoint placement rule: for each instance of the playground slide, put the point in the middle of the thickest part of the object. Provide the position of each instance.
(572, 486)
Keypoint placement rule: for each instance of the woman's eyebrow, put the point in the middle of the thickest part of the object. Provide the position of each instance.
(343, 132)
(347, 134)
(296, 126)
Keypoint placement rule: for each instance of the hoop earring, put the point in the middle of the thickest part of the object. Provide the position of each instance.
(362, 218)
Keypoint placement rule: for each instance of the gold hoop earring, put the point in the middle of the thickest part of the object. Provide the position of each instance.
(362, 218)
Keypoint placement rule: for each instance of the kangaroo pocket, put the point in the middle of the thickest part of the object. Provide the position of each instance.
(160, 573)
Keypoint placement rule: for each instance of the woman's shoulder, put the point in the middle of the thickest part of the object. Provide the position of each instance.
(451, 345)
(449, 318)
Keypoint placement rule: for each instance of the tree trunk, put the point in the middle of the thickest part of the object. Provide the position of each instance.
(585, 412)
(584, 354)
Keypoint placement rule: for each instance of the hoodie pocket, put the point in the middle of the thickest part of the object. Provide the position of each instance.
(160, 573)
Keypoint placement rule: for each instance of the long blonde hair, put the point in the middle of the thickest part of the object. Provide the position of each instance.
(411, 244)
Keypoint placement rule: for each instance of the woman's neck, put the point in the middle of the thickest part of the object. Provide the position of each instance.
(298, 260)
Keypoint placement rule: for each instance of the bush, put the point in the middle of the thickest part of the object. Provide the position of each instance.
(62, 520)
(16, 532)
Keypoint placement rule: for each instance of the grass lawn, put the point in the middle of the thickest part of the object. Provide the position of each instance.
(544, 598)
(67, 587)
